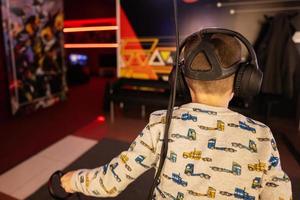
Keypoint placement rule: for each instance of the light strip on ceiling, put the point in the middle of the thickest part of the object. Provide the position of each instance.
(90, 22)
(90, 28)
(91, 45)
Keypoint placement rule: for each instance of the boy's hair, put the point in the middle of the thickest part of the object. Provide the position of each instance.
(227, 50)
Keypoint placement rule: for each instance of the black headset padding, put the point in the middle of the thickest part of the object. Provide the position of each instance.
(248, 45)
(216, 72)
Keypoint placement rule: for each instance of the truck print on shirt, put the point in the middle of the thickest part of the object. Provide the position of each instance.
(213, 153)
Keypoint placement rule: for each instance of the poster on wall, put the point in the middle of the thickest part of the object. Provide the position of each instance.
(146, 40)
(146, 35)
(33, 41)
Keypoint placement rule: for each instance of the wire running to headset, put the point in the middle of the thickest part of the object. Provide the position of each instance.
(164, 148)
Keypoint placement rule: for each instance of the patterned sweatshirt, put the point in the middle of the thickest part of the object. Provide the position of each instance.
(213, 153)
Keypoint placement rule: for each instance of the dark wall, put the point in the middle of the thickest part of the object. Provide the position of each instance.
(80, 9)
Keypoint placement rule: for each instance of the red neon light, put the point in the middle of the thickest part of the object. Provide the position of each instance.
(190, 1)
(89, 22)
(101, 119)
(91, 45)
(90, 28)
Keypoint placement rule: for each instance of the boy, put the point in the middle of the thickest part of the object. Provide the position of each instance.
(213, 152)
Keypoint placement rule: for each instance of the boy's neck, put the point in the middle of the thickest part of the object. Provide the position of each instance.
(212, 100)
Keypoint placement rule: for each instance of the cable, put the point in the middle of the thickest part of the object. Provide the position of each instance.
(164, 148)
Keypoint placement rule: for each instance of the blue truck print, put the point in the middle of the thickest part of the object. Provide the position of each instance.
(176, 179)
(205, 111)
(273, 161)
(187, 116)
(140, 160)
(242, 194)
(243, 125)
(238, 194)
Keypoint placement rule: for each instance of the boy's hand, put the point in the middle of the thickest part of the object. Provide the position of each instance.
(66, 182)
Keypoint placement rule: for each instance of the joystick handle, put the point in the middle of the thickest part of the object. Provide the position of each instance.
(51, 189)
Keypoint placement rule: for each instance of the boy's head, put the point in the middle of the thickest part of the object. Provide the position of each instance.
(227, 50)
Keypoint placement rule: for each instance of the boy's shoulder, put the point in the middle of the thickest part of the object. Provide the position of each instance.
(261, 129)
(255, 122)
(157, 116)
(234, 118)
(158, 113)
(161, 113)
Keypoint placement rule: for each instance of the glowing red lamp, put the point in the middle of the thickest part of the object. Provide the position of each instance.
(189, 1)
(101, 119)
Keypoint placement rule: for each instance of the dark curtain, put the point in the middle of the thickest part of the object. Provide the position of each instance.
(278, 56)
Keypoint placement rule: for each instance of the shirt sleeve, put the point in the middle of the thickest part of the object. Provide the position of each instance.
(276, 183)
(111, 179)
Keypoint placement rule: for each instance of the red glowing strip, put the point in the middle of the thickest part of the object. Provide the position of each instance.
(91, 28)
(91, 45)
(190, 1)
(86, 22)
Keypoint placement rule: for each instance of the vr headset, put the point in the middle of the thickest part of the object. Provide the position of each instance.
(248, 77)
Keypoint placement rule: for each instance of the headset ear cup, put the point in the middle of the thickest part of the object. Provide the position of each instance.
(255, 81)
(238, 80)
(247, 81)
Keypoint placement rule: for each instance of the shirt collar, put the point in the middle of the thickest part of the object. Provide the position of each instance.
(205, 107)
